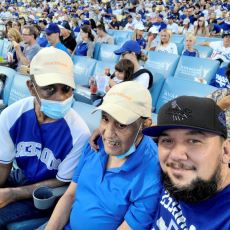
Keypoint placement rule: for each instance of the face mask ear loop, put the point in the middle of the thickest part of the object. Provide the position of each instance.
(137, 134)
(39, 102)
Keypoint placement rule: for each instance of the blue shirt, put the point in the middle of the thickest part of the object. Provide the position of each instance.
(220, 80)
(42, 151)
(82, 49)
(141, 42)
(194, 53)
(60, 46)
(160, 25)
(105, 197)
(211, 214)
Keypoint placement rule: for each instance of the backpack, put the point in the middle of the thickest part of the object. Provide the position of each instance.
(141, 71)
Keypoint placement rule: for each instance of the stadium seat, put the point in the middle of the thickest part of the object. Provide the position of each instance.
(121, 36)
(96, 50)
(1, 46)
(19, 88)
(174, 87)
(180, 47)
(83, 69)
(154, 118)
(106, 53)
(176, 38)
(27, 224)
(101, 65)
(110, 32)
(5, 48)
(161, 62)
(200, 39)
(10, 73)
(85, 111)
(194, 68)
(82, 94)
(204, 51)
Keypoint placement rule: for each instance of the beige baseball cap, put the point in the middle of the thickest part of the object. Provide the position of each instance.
(126, 102)
(52, 66)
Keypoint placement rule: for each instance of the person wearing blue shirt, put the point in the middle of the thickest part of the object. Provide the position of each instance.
(159, 24)
(220, 79)
(42, 134)
(53, 37)
(194, 154)
(118, 186)
(190, 41)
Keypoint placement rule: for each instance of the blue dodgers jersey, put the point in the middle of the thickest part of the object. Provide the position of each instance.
(212, 214)
(220, 80)
(42, 151)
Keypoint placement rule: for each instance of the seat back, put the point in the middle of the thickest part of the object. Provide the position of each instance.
(83, 69)
(5, 48)
(101, 65)
(194, 68)
(96, 50)
(176, 38)
(1, 46)
(204, 51)
(8, 84)
(174, 87)
(180, 47)
(161, 62)
(85, 111)
(106, 53)
(19, 88)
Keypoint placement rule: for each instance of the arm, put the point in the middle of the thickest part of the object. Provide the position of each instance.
(20, 55)
(204, 43)
(4, 172)
(61, 213)
(124, 226)
(224, 103)
(9, 195)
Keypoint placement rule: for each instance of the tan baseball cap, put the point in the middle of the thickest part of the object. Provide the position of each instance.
(126, 102)
(52, 66)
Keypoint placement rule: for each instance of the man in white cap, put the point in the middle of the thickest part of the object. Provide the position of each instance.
(42, 134)
(117, 187)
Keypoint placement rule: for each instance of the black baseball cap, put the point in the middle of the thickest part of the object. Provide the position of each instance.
(226, 33)
(192, 113)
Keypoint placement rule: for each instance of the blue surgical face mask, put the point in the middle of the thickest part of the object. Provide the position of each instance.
(55, 109)
(132, 148)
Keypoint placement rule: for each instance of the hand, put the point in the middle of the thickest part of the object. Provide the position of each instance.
(15, 44)
(224, 103)
(6, 196)
(93, 139)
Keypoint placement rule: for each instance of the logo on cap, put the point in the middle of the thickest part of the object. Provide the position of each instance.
(178, 113)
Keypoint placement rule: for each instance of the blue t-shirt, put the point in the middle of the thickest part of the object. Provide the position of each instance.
(194, 53)
(60, 46)
(141, 42)
(160, 25)
(220, 80)
(106, 197)
(211, 214)
(82, 49)
(42, 151)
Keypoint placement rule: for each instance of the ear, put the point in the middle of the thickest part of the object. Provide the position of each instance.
(30, 87)
(147, 123)
(226, 153)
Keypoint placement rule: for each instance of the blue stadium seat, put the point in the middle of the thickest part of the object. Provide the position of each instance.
(200, 39)
(204, 51)
(1, 46)
(110, 32)
(154, 118)
(176, 38)
(106, 53)
(82, 94)
(5, 48)
(180, 47)
(101, 65)
(27, 224)
(83, 69)
(161, 62)
(193, 67)
(121, 36)
(174, 87)
(96, 50)
(85, 111)
(10, 77)
(158, 81)
(19, 88)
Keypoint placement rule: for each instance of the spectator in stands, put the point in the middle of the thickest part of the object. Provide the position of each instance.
(138, 21)
(114, 24)
(125, 168)
(102, 36)
(165, 45)
(53, 37)
(160, 24)
(138, 35)
(171, 25)
(213, 27)
(131, 50)
(187, 27)
(67, 38)
(201, 27)
(124, 70)
(86, 46)
(130, 25)
(151, 39)
(31, 48)
(190, 41)
(14, 35)
(41, 39)
(48, 147)
(194, 153)
(221, 49)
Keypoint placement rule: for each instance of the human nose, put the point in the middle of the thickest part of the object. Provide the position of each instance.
(109, 130)
(178, 152)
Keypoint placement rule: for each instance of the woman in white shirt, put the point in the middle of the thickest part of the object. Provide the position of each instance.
(165, 45)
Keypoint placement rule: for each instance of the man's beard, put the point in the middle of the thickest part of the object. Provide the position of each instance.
(197, 191)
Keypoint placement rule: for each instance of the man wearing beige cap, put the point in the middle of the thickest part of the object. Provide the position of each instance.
(117, 187)
(42, 134)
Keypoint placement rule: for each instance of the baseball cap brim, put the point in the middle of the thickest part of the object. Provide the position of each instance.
(155, 131)
(120, 51)
(48, 79)
(117, 112)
